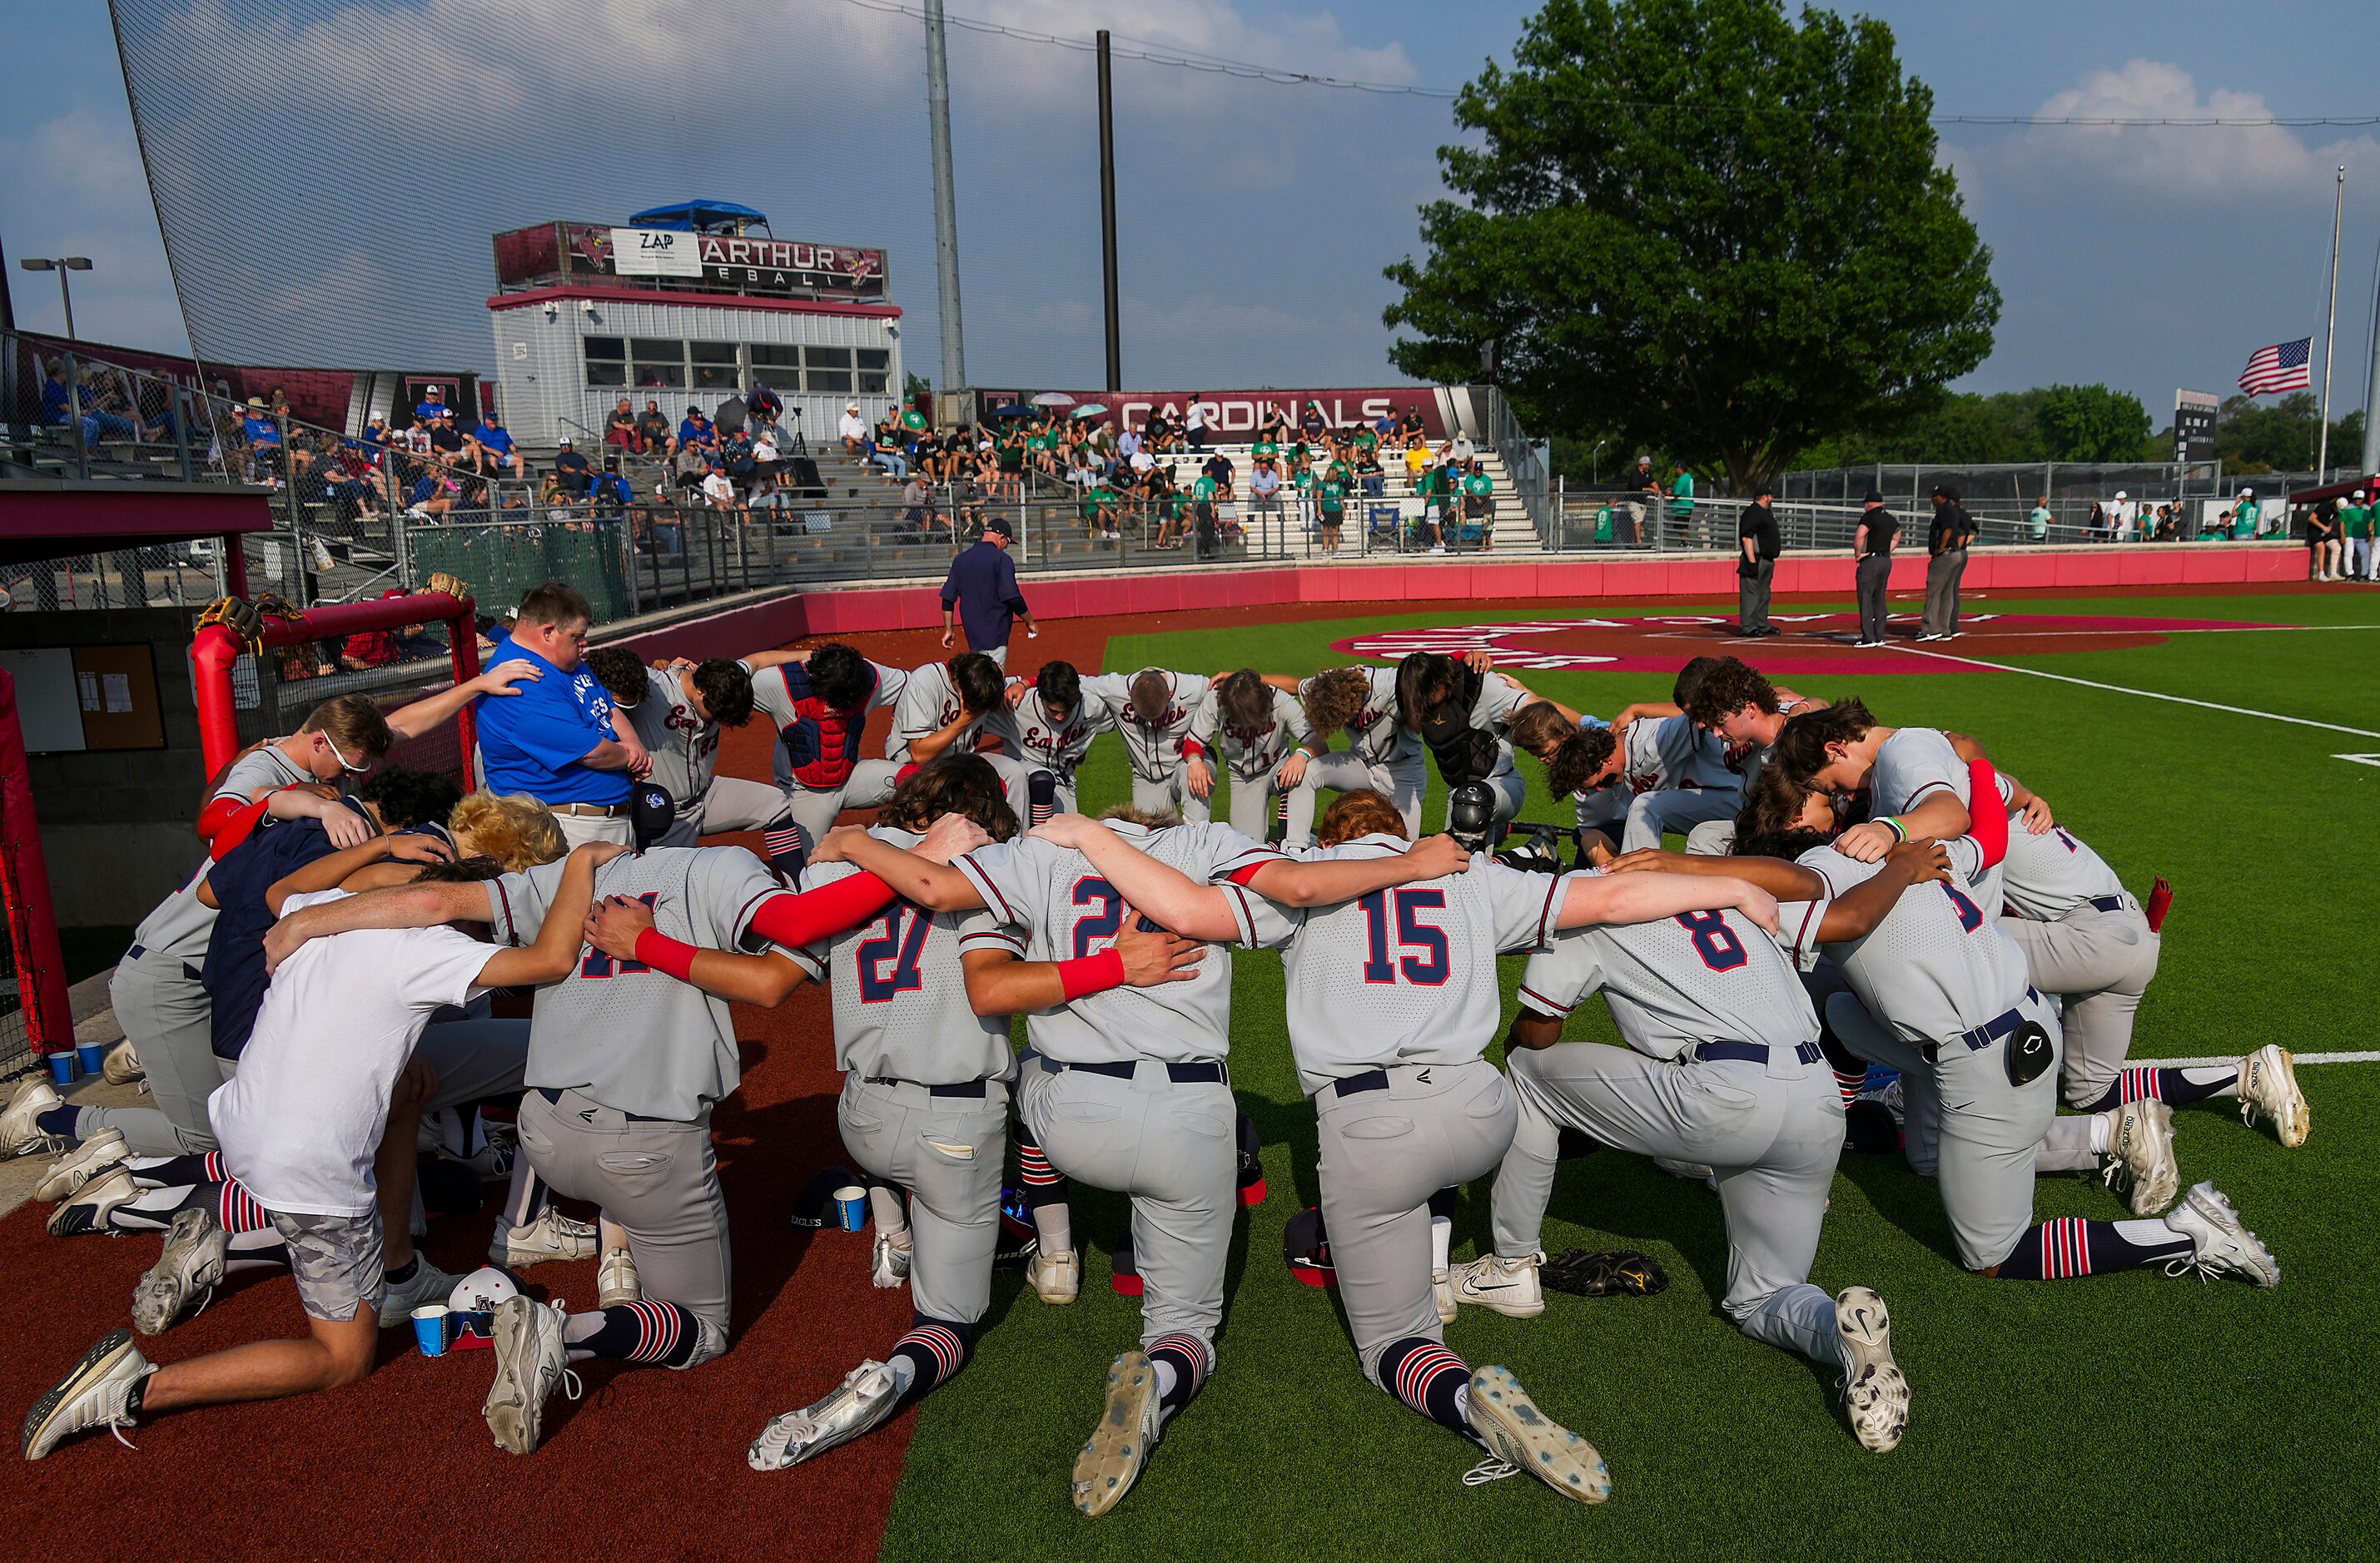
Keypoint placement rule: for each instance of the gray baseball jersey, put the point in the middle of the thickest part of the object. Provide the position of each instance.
(901, 1008)
(1053, 905)
(1911, 763)
(1380, 734)
(264, 765)
(179, 925)
(1660, 755)
(1407, 976)
(682, 742)
(928, 702)
(1702, 976)
(1252, 753)
(618, 1031)
(1155, 747)
(1030, 734)
(774, 699)
(1746, 759)
(1937, 965)
(2046, 877)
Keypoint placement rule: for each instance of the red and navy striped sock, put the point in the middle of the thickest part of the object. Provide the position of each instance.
(2069, 1246)
(1042, 1184)
(1850, 1070)
(1191, 1360)
(661, 1333)
(2174, 1087)
(788, 851)
(238, 1210)
(935, 1350)
(1041, 797)
(1428, 1378)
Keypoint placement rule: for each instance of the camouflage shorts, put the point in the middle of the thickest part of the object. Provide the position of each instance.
(336, 1260)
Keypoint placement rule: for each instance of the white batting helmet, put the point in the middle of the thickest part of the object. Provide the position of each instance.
(480, 1292)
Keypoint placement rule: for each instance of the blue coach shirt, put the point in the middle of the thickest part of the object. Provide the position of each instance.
(531, 742)
(982, 586)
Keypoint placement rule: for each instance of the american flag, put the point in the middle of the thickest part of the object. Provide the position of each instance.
(2285, 366)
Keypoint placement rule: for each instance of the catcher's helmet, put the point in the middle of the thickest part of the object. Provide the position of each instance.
(480, 1292)
(1471, 814)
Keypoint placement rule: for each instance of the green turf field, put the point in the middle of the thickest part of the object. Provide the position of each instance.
(2119, 1417)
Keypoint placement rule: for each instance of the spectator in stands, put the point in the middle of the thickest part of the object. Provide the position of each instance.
(654, 432)
(719, 489)
(1682, 498)
(265, 448)
(620, 429)
(695, 431)
(57, 398)
(852, 430)
(915, 495)
(1412, 428)
(446, 440)
(610, 491)
(1218, 467)
(1273, 427)
(493, 443)
(1193, 421)
(432, 407)
(981, 588)
(1479, 502)
(570, 469)
(353, 479)
(1370, 475)
(1462, 449)
(1330, 506)
(1127, 445)
(1416, 458)
(1264, 488)
(2038, 521)
(1312, 424)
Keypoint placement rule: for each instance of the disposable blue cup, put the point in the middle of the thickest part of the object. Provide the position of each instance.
(93, 1055)
(65, 1067)
(430, 1329)
(851, 1208)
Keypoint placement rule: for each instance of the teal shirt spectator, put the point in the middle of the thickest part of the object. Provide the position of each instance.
(1682, 496)
(2040, 522)
(2247, 518)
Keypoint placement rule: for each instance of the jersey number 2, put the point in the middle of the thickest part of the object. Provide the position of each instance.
(1101, 924)
(902, 948)
(1430, 966)
(597, 964)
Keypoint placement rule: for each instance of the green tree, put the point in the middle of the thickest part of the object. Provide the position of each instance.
(1700, 227)
(2091, 423)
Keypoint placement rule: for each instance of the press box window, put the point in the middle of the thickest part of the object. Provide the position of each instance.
(657, 365)
(875, 370)
(827, 369)
(607, 361)
(714, 365)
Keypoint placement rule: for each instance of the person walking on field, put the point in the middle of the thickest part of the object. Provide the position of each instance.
(1946, 540)
(1756, 536)
(1872, 548)
(982, 590)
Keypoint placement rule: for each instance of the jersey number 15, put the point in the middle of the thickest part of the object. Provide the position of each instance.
(1422, 953)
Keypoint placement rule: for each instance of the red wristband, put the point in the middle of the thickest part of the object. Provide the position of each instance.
(1192, 749)
(1986, 814)
(791, 921)
(1091, 974)
(665, 955)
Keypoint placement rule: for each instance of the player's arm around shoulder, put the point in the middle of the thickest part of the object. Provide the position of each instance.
(1327, 881)
(924, 876)
(624, 928)
(555, 952)
(1648, 896)
(1159, 891)
(399, 907)
(1859, 910)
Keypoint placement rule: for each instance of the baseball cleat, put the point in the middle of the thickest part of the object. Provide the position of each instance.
(616, 1279)
(1875, 1395)
(1508, 1287)
(1112, 1458)
(1524, 1438)
(80, 1165)
(863, 1401)
(122, 1065)
(2219, 1244)
(2268, 1084)
(427, 1284)
(890, 1268)
(93, 1203)
(1441, 1293)
(191, 1267)
(94, 1394)
(531, 1363)
(2140, 1145)
(552, 1236)
(19, 1136)
(1692, 1171)
(1057, 1277)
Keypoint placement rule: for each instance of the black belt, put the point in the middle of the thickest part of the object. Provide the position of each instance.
(1370, 1080)
(1986, 1035)
(1179, 1073)
(972, 1089)
(2108, 902)
(1753, 1052)
(554, 1097)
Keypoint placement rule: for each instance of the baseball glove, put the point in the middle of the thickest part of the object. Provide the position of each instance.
(1614, 1272)
(237, 615)
(452, 585)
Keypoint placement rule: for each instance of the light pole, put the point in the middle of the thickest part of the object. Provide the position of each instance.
(60, 264)
(1595, 463)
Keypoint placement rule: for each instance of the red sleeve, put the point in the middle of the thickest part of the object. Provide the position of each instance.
(227, 822)
(1987, 816)
(795, 920)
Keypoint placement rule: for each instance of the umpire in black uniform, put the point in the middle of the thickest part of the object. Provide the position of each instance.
(1755, 532)
(1946, 540)
(1872, 547)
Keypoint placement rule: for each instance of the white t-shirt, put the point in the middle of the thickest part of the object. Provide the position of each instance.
(300, 1124)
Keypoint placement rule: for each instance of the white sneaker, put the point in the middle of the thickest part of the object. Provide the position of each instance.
(69, 1172)
(123, 1064)
(1508, 1287)
(1525, 1438)
(18, 1134)
(890, 1267)
(2219, 1244)
(616, 1279)
(1441, 1292)
(530, 1363)
(2268, 1084)
(1874, 1393)
(1057, 1278)
(191, 1267)
(2140, 1147)
(93, 1395)
(1692, 1171)
(1439, 548)
(427, 1284)
(1117, 1451)
(95, 1202)
(863, 1399)
(552, 1236)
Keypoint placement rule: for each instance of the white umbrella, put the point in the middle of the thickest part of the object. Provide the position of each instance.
(1090, 409)
(1054, 399)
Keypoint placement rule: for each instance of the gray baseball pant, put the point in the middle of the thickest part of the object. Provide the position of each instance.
(2098, 963)
(658, 1179)
(1383, 1154)
(1015, 777)
(1653, 815)
(1873, 574)
(473, 1058)
(947, 1151)
(1712, 838)
(1174, 1147)
(1251, 803)
(730, 805)
(580, 828)
(1342, 770)
(1168, 792)
(164, 1010)
(1771, 1138)
(1981, 1138)
(1942, 572)
(815, 809)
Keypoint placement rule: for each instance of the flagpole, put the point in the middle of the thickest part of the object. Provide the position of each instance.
(2330, 330)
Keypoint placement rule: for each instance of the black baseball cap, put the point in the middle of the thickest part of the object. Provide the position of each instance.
(998, 524)
(1873, 498)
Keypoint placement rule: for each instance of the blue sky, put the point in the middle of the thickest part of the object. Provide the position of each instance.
(1255, 218)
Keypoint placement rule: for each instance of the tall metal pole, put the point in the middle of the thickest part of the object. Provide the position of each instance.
(2370, 463)
(946, 205)
(1107, 211)
(65, 301)
(2330, 332)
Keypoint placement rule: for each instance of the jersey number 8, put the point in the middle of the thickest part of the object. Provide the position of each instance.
(1714, 941)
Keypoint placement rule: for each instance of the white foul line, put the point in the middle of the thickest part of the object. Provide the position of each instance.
(2146, 694)
(2206, 1063)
